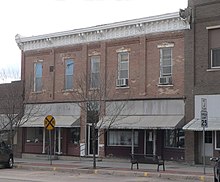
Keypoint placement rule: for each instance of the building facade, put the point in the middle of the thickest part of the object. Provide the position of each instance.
(137, 65)
(202, 61)
(11, 110)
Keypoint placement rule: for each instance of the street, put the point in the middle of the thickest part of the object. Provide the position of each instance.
(21, 175)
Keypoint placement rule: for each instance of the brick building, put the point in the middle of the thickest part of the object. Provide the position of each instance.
(140, 62)
(202, 63)
(11, 110)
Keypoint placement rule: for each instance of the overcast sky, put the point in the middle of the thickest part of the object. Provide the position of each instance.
(36, 17)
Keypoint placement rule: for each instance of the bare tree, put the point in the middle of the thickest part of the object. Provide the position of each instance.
(9, 74)
(14, 112)
(94, 97)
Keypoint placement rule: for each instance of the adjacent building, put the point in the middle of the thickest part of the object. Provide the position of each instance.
(138, 62)
(11, 111)
(202, 63)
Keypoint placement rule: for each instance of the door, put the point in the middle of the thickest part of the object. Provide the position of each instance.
(56, 141)
(208, 145)
(149, 145)
(90, 140)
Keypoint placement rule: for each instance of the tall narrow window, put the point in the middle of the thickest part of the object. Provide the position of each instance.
(165, 65)
(38, 77)
(69, 66)
(123, 66)
(95, 72)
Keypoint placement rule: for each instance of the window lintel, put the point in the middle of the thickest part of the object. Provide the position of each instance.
(165, 45)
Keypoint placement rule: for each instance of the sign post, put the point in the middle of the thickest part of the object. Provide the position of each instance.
(49, 124)
(204, 124)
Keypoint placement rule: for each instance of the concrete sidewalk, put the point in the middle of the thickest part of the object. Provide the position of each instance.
(173, 170)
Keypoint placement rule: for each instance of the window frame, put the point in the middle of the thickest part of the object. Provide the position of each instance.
(176, 135)
(67, 75)
(214, 67)
(162, 62)
(35, 133)
(37, 78)
(74, 136)
(94, 60)
(118, 143)
(217, 148)
(119, 64)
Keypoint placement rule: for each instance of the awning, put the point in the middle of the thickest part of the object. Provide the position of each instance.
(195, 125)
(142, 122)
(61, 121)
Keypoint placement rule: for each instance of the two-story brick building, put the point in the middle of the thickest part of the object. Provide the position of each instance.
(140, 61)
(202, 62)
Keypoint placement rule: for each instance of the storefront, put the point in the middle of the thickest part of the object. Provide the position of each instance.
(65, 136)
(212, 131)
(146, 127)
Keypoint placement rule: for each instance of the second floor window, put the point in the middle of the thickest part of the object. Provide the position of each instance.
(123, 67)
(95, 72)
(215, 58)
(69, 67)
(38, 69)
(165, 66)
(214, 46)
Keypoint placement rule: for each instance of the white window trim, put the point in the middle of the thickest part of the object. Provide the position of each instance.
(165, 45)
(213, 27)
(91, 67)
(119, 63)
(118, 68)
(214, 67)
(65, 61)
(161, 62)
(35, 63)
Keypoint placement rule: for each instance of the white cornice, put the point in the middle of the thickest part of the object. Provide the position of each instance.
(154, 24)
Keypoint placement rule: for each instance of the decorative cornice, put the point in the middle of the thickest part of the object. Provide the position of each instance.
(136, 27)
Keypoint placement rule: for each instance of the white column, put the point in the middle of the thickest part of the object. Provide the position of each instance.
(154, 140)
(59, 140)
(44, 142)
(55, 141)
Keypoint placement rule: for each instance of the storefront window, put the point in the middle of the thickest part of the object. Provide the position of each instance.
(34, 135)
(208, 137)
(217, 140)
(174, 138)
(75, 135)
(121, 138)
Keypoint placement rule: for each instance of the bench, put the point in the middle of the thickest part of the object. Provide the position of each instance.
(146, 159)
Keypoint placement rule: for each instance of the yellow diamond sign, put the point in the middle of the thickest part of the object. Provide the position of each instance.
(49, 122)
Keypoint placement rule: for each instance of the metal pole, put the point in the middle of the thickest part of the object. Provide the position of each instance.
(204, 148)
(50, 147)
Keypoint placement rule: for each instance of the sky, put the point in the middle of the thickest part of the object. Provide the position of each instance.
(37, 17)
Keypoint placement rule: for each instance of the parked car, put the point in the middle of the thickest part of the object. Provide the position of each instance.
(216, 168)
(6, 155)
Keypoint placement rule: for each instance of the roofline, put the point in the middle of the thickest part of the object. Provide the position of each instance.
(20, 39)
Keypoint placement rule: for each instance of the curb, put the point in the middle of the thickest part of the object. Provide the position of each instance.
(117, 172)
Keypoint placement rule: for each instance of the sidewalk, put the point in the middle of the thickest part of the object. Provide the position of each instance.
(173, 170)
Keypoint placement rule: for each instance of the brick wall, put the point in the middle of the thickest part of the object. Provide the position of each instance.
(144, 66)
(198, 80)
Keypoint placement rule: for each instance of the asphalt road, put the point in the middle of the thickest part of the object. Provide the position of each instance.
(21, 175)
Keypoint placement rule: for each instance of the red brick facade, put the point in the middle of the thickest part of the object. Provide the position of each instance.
(143, 80)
